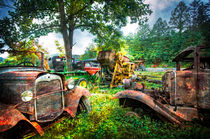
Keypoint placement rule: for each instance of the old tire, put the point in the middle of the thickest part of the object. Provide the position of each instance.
(82, 82)
(84, 105)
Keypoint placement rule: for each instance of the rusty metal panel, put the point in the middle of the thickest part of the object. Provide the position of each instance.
(50, 106)
(48, 86)
(204, 89)
(72, 98)
(149, 101)
(15, 83)
(10, 116)
(181, 87)
(107, 58)
(168, 85)
(186, 90)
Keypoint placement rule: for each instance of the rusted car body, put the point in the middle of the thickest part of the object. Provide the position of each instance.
(185, 94)
(29, 93)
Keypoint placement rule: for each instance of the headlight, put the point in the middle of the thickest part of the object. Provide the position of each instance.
(27, 96)
(70, 84)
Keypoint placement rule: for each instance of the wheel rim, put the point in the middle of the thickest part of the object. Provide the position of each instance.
(83, 84)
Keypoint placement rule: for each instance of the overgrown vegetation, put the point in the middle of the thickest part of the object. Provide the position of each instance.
(158, 44)
(109, 120)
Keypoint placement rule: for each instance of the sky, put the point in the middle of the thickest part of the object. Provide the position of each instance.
(160, 8)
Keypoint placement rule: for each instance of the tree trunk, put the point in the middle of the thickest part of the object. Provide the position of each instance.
(71, 34)
(67, 42)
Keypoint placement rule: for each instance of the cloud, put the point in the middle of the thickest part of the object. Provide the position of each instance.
(48, 42)
(81, 40)
(129, 28)
(161, 8)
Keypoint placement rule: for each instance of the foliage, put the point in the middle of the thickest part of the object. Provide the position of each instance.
(101, 18)
(28, 58)
(180, 17)
(59, 48)
(90, 52)
(158, 45)
(108, 120)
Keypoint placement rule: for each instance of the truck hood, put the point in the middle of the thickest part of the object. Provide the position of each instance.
(20, 75)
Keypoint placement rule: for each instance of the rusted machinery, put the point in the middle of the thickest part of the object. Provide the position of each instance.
(30, 97)
(185, 94)
(114, 68)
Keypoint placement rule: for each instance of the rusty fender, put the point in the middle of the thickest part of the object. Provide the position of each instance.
(149, 101)
(72, 99)
(10, 116)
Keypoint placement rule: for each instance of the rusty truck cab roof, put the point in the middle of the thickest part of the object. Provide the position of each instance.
(187, 54)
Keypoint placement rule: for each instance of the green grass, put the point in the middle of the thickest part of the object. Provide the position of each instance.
(108, 120)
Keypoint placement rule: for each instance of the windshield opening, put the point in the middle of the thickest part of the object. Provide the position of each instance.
(20, 58)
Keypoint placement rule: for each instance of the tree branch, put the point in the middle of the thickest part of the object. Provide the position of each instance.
(91, 26)
(39, 29)
(2, 5)
(82, 9)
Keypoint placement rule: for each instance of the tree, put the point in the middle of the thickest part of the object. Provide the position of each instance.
(200, 23)
(140, 43)
(180, 18)
(204, 21)
(90, 52)
(100, 17)
(194, 13)
(160, 28)
(8, 32)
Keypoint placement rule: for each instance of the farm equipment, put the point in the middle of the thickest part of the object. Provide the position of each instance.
(185, 94)
(114, 68)
(83, 71)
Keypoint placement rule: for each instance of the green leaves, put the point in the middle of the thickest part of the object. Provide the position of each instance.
(102, 18)
(161, 43)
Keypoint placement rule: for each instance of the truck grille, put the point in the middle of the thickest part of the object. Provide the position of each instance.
(49, 101)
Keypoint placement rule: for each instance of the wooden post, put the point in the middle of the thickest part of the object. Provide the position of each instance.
(196, 70)
(177, 66)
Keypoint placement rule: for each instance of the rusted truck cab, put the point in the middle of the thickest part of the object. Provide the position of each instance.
(29, 93)
(185, 93)
(190, 86)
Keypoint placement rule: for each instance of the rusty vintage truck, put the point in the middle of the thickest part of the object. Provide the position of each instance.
(31, 96)
(185, 93)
